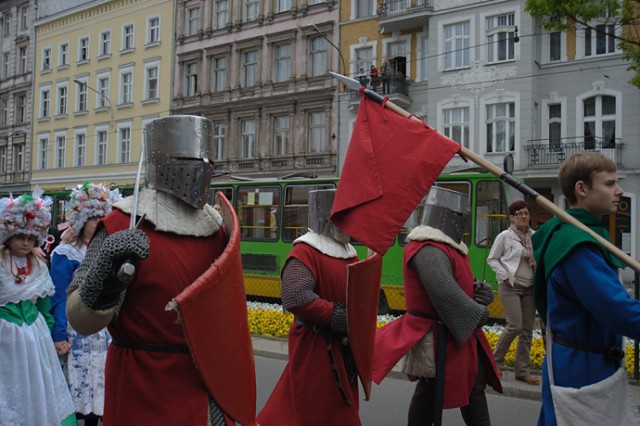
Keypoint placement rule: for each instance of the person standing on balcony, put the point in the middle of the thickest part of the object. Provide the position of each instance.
(385, 73)
(511, 258)
(373, 76)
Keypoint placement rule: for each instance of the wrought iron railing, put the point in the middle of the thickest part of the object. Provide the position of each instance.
(394, 7)
(392, 86)
(547, 152)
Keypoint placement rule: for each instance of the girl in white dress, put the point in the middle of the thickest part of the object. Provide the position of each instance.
(33, 390)
(84, 357)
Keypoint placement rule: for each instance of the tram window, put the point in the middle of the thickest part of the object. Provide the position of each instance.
(61, 202)
(295, 218)
(226, 190)
(258, 212)
(490, 216)
(416, 217)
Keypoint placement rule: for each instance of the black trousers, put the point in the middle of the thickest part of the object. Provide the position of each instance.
(421, 409)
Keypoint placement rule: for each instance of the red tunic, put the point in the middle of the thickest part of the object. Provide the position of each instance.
(141, 387)
(307, 393)
(397, 338)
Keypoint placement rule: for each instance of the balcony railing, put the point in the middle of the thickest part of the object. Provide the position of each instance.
(547, 152)
(396, 86)
(395, 7)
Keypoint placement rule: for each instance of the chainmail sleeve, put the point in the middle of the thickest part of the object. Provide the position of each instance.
(461, 314)
(81, 273)
(298, 285)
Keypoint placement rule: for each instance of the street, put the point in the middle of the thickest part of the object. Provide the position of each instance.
(390, 401)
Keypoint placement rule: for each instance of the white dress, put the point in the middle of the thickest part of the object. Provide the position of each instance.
(33, 390)
(85, 363)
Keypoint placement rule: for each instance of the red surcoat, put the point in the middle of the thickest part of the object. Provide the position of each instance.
(397, 338)
(307, 393)
(144, 388)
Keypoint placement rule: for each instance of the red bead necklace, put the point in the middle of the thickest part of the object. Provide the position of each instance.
(22, 272)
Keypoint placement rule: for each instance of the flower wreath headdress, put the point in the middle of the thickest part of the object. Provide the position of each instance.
(28, 214)
(86, 201)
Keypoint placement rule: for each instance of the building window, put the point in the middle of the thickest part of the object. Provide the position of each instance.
(21, 108)
(599, 122)
(62, 100)
(364, 60)
(81, 149)
(45, 102)
(43, 146)
(126, 87)
(500, 38)
(190, 79)
(102, 101)
(555, 46)
(501, 127)
(193, 21)
(3, 158)
(24, 17)
(61, 148)
(282, 142)
(600, 41)
(5, 65)
(457, 40)
(46, 59)
(456, 124)
(83, 49)
(424, 60)
(219, 130)
(124, 144)
(317, 132)
(318, 56)
(152, 82)
(283, 62)
(219, 77)
(6, 24)
(220, 13)
(105, 43)
(153, 30)
(250, 68)
(283, 6)
(248, 139)
(22, 60)
(251, 10)
(4, 106)
(18, 157)
(555, 127)
(101, 147)
(82, 97)
(128, 37)
(64, 55)
(364, 8)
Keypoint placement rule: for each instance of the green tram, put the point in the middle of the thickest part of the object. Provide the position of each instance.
(273, 213)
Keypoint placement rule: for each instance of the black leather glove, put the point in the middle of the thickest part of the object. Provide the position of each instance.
(339, 320)
(102, 289)
(483, 293)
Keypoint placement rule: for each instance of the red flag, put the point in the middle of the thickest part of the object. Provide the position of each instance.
(391, 163)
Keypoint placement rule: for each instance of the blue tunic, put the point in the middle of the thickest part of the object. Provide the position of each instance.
(589, 306)
(62, 268)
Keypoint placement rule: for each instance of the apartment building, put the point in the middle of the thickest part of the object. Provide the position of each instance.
(102, 70)
(259, 71)
(17, 41)
(488, 76)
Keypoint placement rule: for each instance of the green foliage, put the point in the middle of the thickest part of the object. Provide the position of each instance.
(563, 15)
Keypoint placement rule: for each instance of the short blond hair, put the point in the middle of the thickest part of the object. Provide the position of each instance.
(581, 167)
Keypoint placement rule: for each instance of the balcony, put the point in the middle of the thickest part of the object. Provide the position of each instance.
(551, 152)
(399, 15)
(398, 92)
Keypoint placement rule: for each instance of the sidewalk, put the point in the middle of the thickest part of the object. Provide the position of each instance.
(272, 347)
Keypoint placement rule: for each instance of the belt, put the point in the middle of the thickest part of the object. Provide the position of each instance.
(424, 315)
(151, 347)
(319, 329)
(614, 353)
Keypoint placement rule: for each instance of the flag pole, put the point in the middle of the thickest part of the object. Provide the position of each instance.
(497, 171)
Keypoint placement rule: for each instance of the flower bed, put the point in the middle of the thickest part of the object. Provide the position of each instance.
(270, 320)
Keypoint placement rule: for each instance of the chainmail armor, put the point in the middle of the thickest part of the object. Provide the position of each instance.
(298, 285)
(339, 320)
(461, 314)
(101, 289)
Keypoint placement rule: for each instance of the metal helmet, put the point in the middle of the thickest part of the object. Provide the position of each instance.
(178, 157)
(320, 203)
(447, 211)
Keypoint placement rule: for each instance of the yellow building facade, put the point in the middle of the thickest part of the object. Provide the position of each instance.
(101, 72)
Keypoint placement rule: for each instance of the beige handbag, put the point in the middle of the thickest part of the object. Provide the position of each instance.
(607, 402)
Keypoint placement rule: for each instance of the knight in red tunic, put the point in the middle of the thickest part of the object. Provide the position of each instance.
(318, 385)
(439, 288)
(151, 376)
